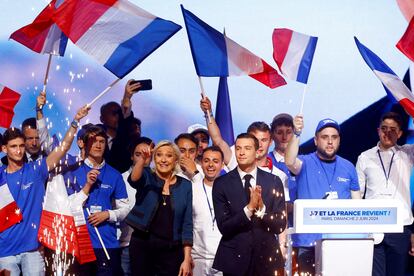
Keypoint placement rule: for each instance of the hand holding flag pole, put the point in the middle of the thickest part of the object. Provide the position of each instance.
(99, 235)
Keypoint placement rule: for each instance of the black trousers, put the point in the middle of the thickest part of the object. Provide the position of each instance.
(305, 260)
(391, 255)
(150, 256)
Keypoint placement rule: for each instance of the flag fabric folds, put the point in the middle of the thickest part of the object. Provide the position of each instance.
(42, 35)
(293, 53)
(10, 213)
(223, 112)
(216, 55)
(406, 43)
(393, 85)
(8, 100)
(63, 225)
(118, 34)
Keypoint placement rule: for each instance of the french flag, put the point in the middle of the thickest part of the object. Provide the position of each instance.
(8, 100)
(10, 213)
(42, 35)
(118, 34)
(216, 55)
(293, 53)
(63, 225)
(223, 112)
(393, 85)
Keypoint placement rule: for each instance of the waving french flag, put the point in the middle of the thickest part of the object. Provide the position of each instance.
(8, 100)
(42, 35)
(10, 213)
(117, 34)
(293, 53)
(216, 55)
(63, 225)
(393, 85)
(223, 112)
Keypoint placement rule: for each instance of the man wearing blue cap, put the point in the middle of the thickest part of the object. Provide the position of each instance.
(319, 175)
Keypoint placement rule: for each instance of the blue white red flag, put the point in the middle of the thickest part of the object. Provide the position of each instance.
(293, 53)
(393, 85)
(216, 55)
(118, 34)
(223, 112)
(42, 35)
(10, 213)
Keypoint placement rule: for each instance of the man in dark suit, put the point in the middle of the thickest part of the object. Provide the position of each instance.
(249, 207)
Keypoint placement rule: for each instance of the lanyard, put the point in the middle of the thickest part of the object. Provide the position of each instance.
(326, 174)
(213, 218)
(387, 176)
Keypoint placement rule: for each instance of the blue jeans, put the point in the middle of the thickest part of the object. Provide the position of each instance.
(28, 263)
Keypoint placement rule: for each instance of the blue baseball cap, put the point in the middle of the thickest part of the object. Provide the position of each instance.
(327, 123)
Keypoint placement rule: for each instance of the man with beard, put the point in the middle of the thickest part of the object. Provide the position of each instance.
(319, 175)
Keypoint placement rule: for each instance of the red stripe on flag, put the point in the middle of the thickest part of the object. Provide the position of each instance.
(281, 40)
(269, 77)
(406, 43)
(74, 241)
(75, 17)
(9, 216)
(408, 106)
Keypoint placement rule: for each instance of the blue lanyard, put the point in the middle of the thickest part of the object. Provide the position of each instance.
(387, 176)
(213, 218)
(326, 175)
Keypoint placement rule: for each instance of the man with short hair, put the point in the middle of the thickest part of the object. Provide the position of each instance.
(384, 172)
(100, 186)
(249, 208)
(200, 132)
(188, 146)
(136, 148)
(19, 246)
(206, 233)
(319, 175)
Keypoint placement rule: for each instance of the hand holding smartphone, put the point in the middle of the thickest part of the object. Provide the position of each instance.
(145, 84)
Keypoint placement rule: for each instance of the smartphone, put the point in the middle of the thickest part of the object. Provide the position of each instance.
(145, 84)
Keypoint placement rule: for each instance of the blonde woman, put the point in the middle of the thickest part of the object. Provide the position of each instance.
(162, 215)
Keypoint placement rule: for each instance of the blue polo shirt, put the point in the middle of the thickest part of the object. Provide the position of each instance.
(109, 186)
(27, 187)
(318, 177)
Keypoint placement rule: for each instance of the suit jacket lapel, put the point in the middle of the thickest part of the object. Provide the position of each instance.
(236, 188)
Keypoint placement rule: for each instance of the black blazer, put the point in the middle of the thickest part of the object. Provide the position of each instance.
(245, 241)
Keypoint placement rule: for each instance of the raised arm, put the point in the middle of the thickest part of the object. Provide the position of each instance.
(291, 157)
(126, 104)
(46, 142)
(53, 158)
(214, 131)
(138, 168)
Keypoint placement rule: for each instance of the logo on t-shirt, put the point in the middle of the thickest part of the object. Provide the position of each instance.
(27, 186)
(342, 179)
(105, 186)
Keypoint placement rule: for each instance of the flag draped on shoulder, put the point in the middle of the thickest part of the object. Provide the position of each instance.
(216, 55)
(42, 35)
(393, 85)
(8, 100)
(63, 225)
(118, 34)
(223, 112)
(10, 213)
(293, 53)
(406, 43)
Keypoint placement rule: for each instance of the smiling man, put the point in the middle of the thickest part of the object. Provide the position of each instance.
(384, 173)
(319, 175)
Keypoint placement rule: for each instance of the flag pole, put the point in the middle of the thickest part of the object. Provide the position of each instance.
(99, 237)
(305, 89)
(203, 94)
(103, 92)
(47, 73)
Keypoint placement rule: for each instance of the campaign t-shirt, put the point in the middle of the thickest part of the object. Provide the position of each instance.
(108, 187)
(317, 178)
(27, 187)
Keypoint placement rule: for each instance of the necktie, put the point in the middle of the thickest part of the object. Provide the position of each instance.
(247, 185)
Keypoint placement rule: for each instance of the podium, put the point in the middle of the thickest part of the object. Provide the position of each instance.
(348, 227)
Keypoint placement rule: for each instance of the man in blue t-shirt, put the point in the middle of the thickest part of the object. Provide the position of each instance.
(19, 246)
(319, 175)
(100, 187)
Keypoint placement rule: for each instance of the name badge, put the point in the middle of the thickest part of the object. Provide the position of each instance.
(331, 195)
(95, 209)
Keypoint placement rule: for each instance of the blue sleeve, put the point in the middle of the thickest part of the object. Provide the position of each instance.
(120, 188)
(354, 185)
(187, 236)
(42, 170)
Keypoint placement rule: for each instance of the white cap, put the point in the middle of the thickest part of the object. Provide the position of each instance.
(197, 128)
